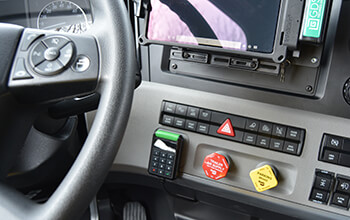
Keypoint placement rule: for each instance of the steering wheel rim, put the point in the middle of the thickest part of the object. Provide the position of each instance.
(113, 33)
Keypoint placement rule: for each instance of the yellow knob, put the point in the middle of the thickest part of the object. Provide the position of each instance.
(263, 178)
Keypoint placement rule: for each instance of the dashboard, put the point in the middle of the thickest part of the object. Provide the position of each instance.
(305, 95)
(257, 115)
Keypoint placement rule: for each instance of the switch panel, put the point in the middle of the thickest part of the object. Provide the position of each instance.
(322, 186)
(335, 149)
(254, 132)
(325, 190)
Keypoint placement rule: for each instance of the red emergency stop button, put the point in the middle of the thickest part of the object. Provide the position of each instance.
(215, 166)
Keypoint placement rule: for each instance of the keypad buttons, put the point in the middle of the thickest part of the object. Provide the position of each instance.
(162, 163)
(20, 71)
(156, 152)
(265, 128)
(279, 130)
(263, 141)
(293, 134)
(179, 123)
(323, 183)
(37, 54)
(343, 185)
(249, 138)
(154, 164)
(51, 53)
(252, 125)
(204, 115)
(333, 142)
(56, 42)
(340, 200)
(168, 120)
(28, 39)
(319, 196)
(276, 144)
(81, 64)
(193, 112)
(181, 110)
(48, 68)
(290, 147)
(169, 107)
(331, 156)
(171, 156)
(155, 158)
(203, 128)
(191, 125)
(153, 170)
(66, 54)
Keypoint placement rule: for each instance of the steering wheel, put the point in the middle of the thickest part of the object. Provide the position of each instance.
(42, 67)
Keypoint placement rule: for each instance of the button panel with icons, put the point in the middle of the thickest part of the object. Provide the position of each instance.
(258, 133)
(54, 64)
(51, 55)
(321, 189)
(330, 188)
(335, 149)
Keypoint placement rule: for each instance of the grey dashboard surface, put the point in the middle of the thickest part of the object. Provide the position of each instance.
(327, 99)
(297, 172)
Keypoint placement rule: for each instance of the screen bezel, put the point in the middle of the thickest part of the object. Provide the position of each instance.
(278, 54)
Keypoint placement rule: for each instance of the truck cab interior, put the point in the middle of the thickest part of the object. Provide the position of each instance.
(174, 109)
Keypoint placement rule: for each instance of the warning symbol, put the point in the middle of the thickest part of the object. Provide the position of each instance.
(226, 129)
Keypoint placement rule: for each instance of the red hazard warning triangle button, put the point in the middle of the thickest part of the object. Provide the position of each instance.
(226, 129)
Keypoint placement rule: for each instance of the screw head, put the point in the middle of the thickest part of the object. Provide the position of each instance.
(174, 66)
(314, 60)
(253, 65)
(309, 88)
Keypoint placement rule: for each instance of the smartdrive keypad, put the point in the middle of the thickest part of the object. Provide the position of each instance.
(165, 154)
(162, 163)
(254, 132)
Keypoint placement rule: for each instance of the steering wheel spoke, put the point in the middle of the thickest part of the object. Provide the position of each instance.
(51, 66)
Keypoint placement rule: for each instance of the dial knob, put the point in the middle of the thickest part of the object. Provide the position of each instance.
(216, 165)
(264, 177)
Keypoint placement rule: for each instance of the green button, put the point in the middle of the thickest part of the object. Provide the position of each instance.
(313, 20)
(167, 135)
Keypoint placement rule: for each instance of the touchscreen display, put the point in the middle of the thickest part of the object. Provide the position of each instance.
(245, 25)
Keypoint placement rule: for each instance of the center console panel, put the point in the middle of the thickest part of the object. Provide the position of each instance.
(245, 113)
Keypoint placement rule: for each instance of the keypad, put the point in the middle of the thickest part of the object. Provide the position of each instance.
(162, 163)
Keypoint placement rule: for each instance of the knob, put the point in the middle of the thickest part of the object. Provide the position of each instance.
(264, 177)
(346, 91)
(216, 165)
